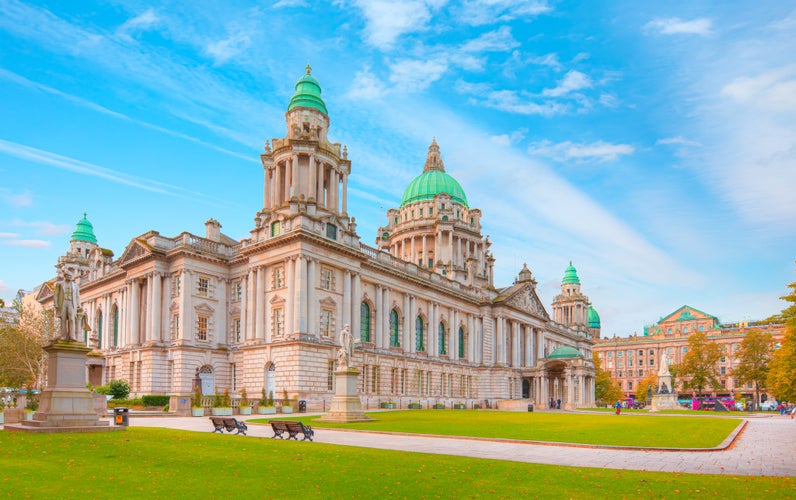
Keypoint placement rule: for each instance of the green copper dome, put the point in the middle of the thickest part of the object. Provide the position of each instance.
(565, 353)
(308, 94)
(433, 181)
(570, 275)
(594, 318)
(84, 231)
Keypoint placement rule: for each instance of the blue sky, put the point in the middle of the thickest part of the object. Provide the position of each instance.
(652, 143)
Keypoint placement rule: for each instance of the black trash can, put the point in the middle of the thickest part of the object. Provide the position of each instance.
(530, 408)
(302, 406)
(121, 416)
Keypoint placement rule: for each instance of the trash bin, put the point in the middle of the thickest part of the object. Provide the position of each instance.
(530, 408)
(121, 416)
(302, 406)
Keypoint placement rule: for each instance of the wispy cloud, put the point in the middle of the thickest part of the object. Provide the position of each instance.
(42, 228)
(479, 12)
(23, 199)
(223, 50)
(366, 86)
(80, 167)
(415, 75)
(9, 235)
(290, 3)
(142, 22)
(679, 141)
(499, 40)
(676, 26)
(773, 90)
(509, 100)
(388, 20)
(564, 151)
(28, 243)
(509, 139)
(572, 81)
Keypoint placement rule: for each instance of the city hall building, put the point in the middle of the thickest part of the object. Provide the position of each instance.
(266, 311)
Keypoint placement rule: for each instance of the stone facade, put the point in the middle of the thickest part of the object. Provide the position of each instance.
(265, 312)
(631, 359)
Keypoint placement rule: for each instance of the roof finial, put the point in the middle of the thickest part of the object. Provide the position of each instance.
(308, 68)
(434, 159)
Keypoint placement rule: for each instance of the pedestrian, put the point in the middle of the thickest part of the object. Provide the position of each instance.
(618, 406)
(558, 404)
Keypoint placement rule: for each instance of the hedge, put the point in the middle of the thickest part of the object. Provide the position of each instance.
(154, 400)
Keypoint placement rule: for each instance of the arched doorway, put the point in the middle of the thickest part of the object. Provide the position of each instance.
(208, 380)
(526, 389)
(270, 380)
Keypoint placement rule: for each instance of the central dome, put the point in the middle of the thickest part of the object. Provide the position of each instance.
(308, 93)
(433, 181)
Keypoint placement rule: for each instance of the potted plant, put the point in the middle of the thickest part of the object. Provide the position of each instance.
(388, 405)
(439, 406)
(266, 405)
(222, 406)
(286, 408)
(2, 407)
(197, 410)
(244, 407)
(459, 406)
(415, 406)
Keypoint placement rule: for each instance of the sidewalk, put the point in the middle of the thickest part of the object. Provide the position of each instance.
(767, 447)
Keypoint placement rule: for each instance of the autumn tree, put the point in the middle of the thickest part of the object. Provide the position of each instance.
(753, 358)
(699, 363)
(605, 387)
(651, 380)
(22, 358)
(782, 372)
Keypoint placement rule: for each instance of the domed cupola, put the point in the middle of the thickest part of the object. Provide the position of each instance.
(433, 181)
(570, 275)
(308, 93)
(84, 231)
(594, 318)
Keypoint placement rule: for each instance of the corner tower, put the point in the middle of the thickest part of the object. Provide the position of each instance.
(436, 229)
(304, 173)
(571, 307)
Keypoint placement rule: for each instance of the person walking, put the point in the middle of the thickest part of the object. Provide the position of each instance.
(618, 407)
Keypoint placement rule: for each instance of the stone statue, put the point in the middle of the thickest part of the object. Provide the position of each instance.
(664, 370)
(67, 304)
(664, 389)
(346, 347)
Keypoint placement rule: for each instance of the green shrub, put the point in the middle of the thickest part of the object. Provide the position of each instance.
(102, 389)
(415, 406)
(166, 408)
(226, 402)
(154, 400)
(196, 401)
(244, 399)
(119, 389)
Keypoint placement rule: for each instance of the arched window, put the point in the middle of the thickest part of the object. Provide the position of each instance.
(276, 228)
(364, 322)
(419, 346)
(99, 330)
(461, 343)
(115, 326)
(394, 338)
(442, 347)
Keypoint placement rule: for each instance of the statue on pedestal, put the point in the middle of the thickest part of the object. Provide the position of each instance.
(67, 304)
(346, 348)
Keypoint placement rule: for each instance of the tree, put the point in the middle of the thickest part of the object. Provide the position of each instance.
(699, 363)
(22, 358)
(650, 380)
(754, 356)
(605, 387)
(782, 372)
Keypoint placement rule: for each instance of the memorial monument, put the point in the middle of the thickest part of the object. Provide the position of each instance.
(665, 398)
(346, 405)
(66, 405)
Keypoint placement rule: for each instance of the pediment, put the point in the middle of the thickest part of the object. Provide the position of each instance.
(135, 251)
(327, 301)
(204, 308)
(45, 291)
(526, 300)
(277, 300)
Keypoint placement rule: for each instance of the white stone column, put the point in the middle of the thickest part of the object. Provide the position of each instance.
(345, 193)
(347, 297)
(335, 187)
(157, 307)
(259, 304)
(571, 386)
(501, 340)
(407, 330)
(321, 173)
(186, 306)
(470, 338)
(356, 305)
(300, 295)
(386, 318)
(378, 341)
(433, 326)
(312, 298)
(290, 283)
(251, 304)
(220, 314)
(454, 335)
(424, 260)
(276, 199)
(244, 307)
(313, 184)
(412, 347)
(146, 335)
(135, 314)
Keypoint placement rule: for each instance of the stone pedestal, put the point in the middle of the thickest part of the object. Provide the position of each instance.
(180, 405)
(346, 406)
(664, 402)
(66, 405)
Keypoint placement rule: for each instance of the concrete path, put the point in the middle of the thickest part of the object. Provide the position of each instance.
(767, 447)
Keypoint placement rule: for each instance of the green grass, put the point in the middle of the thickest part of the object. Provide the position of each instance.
(146, 463)
(582, 428)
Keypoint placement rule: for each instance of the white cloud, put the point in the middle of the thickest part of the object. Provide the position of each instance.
(597, 151)
(223, 50)
(9, 235)
(414, 75)
(141, 22)
(27, 243)
(290, 3)
(550, 60)
(677, 26)
(366, 86)
(4, 288)
(572, 81)
(479, 12)
(24, 199)
(388, 20)
(499, 40)
(509, 139)
(773, 90)
(42, 227)
(679, 140)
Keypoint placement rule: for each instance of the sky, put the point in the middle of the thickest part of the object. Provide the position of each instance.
(653, 144)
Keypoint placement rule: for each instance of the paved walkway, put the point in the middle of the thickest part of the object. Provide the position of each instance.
(767, 447)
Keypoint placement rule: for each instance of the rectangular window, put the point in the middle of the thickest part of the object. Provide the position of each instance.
(327, 326)
(670, 351)
(374, 380)
(331, 231)
(327, 278)
(619, 364)
(629, 385)
(723, 370)
(201, 327)
(723, 359)
(278, 326)
(175, 286)
(619, 354)
(610, 355)
(233, 370)
(629, 354)
(235, 330)
(278, 278)
(175, 326)
(652, 352)
(619, 374)
(237, 291)
(641, 352)
(330, 376)
(203, 287)
(641, 373)
(652, 361)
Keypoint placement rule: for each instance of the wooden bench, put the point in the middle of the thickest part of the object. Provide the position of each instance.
(292, 428)
(230, 424)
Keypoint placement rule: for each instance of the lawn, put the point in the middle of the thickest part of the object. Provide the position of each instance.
(144, 462)
(584, 428)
